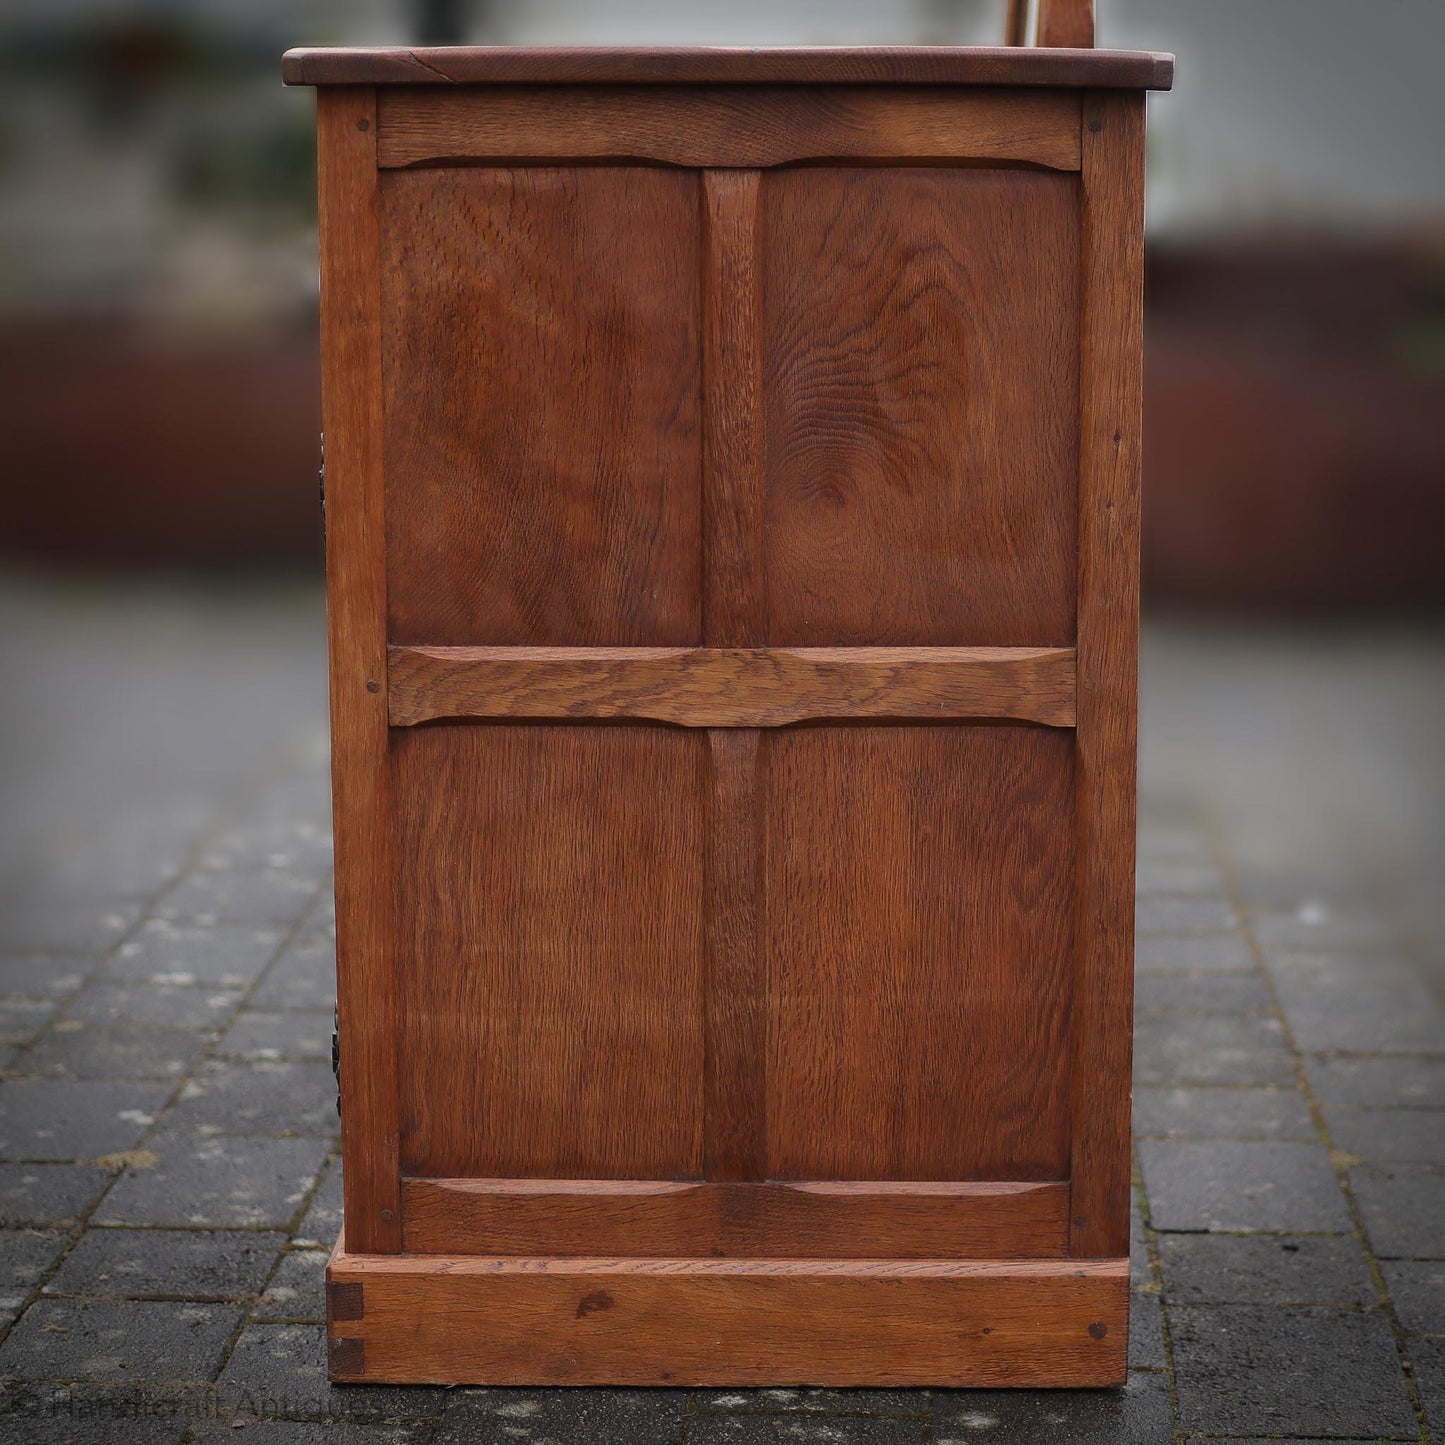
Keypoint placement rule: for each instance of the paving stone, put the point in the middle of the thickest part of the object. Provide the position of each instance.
(754, 1428)
(59, 1420)
(1316, 924)
(65, 1339)
(1223, 1113)
(566, 1417)
(1402, 1206)
(171, 1006)
(260, 1096)
(182, 1263)
(22, 1019)
(228, 954)
(48, 1194)
(36, 975)
(1231, 1184)
(1249, 1369)
(1417, 1290)
(1214, 993)
(300, 845)
(310, 1432)
(322, 1221)
(1141, 1267)
(216, 1182)
(1427, 1360)
(1136, 1415)
(1366, 1005)
(25, 1256)
(1210, 1049)
(281, 1370)
(75, 1119)
(297, 1291)
(1178, 876)
(35, 923)
(1381, 1083)
(1146, 1330)
(1216, 953)
(1265, 1269)
(1155, 914)
(83, 1050)
(799, 1400)
(304, 977)
(1386, 1135)
(297, 1034)
(240, 895)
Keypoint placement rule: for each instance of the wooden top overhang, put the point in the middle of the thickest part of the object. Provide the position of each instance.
(705, 65)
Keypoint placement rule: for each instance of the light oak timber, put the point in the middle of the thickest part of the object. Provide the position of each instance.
(351, 388)
(733, 687)
(728, 126)
(828, 1219)
(441, 1319)
(983, 65)
(1110, 392)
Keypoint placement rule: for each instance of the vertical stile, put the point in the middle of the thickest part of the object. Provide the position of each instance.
(1110, 376)
(356, 605)
(734, 1127)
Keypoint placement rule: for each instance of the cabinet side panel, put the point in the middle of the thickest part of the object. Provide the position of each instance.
(919, 911)
(542, 374)
(549, 950)
(921, 394)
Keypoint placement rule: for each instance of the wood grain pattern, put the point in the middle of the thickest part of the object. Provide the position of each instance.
(550, 951)
(919, 885)
(733, 687)
(455, 1319)
(728, 125)
(547, 490)
(1110, 393)
(1066, 23)
(736, 1220)
(720, 65)
(921, 407)
(356, 614)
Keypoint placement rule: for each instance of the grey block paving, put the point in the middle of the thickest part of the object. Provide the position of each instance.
(54, 1195)
(1266, 1269)
(1136, 1415)
(176, 964)
(1228, 1184)
(1380, 1083)
(217, 1182)
(282, 1368)
(65, 1339)
(260, 1096)
(573, 1417)
(1403, 1208)
(67, 1119)
(139, 1262)
(1222, 1113)
(1210, 1049)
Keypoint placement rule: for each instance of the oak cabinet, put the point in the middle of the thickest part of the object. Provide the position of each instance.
(732, 476)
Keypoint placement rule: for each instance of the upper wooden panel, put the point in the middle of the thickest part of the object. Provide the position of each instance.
(727, 125)
(920, 354)
(919, 905)
(549, 951)
(540, 347)
(903, 64)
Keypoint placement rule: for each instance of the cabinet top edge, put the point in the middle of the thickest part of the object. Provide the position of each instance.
(813, 65)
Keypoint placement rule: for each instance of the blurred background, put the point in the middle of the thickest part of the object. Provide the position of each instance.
(159, 377)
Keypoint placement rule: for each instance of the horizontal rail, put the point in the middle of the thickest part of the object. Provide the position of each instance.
(627, 1218)
(728, 126)
(733, 687)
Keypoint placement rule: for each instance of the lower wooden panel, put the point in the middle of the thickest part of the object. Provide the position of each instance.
(428, 1319)
(838, 1220)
